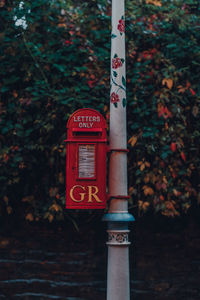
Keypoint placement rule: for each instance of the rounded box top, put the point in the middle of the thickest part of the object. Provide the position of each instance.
(86, 118)
(86, 121)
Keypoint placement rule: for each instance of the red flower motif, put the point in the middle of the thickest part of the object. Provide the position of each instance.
(114, 98)
(116, 63)
(121, 26)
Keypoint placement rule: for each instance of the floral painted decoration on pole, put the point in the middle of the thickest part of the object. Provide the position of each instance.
(114, 98)
(121, 25)
(118, 79)
(117, 62)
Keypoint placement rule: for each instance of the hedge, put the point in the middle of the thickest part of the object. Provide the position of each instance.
(55, 58)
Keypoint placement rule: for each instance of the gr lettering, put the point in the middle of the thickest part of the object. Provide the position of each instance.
(79, 193)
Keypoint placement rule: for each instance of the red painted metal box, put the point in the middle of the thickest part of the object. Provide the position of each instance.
(86, 160)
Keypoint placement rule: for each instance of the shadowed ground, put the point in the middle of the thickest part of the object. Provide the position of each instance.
(46, 263)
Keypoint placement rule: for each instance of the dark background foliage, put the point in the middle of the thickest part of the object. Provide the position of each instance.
(55, 58)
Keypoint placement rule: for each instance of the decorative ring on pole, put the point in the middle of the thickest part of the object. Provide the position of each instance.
(118, 237)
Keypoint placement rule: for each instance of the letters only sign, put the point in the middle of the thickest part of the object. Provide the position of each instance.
(86, 160)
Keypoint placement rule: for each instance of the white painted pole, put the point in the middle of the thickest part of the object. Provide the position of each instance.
(118, 286)
(118, 139)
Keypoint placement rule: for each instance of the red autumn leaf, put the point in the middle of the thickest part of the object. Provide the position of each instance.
(158, 185)
(183, 156)
(192, 92)
(67, 42)
(164, 112)
(164, 186)
(173, 175)
(91, 83)
(173, 147)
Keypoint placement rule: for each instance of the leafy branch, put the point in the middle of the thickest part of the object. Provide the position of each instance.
(120, 86)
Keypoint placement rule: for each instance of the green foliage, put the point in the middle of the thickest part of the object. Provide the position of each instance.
(52, 63)
(55, 58)
(164, 96)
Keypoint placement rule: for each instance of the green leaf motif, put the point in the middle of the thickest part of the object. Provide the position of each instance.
(115, 55)
(113, 36)
(115, 74)
(123, 81)
(115, 104)
(124, 102)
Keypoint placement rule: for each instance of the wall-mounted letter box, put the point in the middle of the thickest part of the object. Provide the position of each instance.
(86, 160)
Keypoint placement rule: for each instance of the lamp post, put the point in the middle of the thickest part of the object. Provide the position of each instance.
(118, 282)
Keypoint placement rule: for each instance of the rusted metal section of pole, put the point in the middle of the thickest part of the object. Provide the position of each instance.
(118, 286)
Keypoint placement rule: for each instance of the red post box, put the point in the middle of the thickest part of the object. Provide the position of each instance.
(86, 160)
